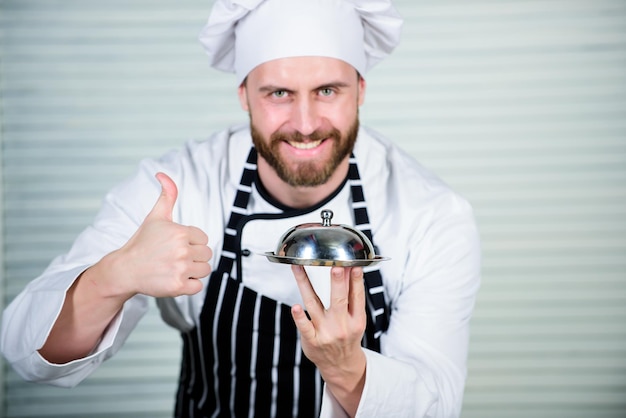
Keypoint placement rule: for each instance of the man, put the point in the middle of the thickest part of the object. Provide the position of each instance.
(250, 349)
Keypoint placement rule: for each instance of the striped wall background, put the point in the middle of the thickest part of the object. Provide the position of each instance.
(518, 104)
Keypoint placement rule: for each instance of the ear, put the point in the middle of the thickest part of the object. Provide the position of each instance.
(242, 92)
(361, 92)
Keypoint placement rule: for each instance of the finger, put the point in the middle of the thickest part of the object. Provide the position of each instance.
(164, 205)
(199, 270)
(311, 301)
(357, 291)
(200, 253)
(339, 287)
(306, 328)
(197, 236)
(191, 286)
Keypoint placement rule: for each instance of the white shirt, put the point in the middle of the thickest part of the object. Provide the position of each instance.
(431, 281)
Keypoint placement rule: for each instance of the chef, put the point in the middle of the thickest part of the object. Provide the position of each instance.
(191, 229)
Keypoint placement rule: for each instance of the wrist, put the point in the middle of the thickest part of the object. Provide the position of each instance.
(108, 278)
(346, 382)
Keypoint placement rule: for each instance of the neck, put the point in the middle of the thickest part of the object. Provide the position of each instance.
(299, 197)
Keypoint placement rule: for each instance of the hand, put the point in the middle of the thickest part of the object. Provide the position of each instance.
(164, 258)
(161, 259)
(332, 338)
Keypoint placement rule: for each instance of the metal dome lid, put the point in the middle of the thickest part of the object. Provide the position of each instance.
(324, 244)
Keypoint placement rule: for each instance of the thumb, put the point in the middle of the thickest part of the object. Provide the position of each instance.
(165, 203)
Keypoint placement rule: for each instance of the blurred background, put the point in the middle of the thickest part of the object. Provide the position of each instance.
(520, 105)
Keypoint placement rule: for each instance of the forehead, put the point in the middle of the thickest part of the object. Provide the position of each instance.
(302, 71)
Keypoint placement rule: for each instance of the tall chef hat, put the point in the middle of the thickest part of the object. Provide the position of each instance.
(241, 34)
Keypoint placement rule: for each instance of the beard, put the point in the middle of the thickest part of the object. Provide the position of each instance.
(307, 173)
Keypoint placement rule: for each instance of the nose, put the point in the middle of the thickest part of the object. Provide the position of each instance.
(305, 116)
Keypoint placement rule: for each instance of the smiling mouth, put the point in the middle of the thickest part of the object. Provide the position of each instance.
(305, 145)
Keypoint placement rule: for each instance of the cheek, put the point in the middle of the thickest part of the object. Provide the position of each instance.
(343, 118)
(268, 119)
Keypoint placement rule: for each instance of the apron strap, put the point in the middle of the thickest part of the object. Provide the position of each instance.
(239, 210)
(378, 318)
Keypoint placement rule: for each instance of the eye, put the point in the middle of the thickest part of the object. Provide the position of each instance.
(326, 91)
(279, 94)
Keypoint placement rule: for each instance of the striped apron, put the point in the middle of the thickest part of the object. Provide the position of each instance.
(244, 358)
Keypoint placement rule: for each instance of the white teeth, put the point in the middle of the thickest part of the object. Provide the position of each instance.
(305, 145)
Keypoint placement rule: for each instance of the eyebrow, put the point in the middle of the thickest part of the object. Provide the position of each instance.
(338, 84)
(271, 87)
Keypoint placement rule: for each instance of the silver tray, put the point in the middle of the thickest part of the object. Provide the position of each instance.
(271, 256)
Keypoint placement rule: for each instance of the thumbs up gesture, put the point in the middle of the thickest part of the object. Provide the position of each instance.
(164, 258)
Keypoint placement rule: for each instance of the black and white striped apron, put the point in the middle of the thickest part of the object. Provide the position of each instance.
(244, 358)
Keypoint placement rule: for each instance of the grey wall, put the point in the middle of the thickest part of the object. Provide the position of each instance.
(518, 104)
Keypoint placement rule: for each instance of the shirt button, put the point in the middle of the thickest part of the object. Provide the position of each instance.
(245, 252)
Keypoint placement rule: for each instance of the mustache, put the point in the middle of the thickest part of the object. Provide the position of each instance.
(299, 137)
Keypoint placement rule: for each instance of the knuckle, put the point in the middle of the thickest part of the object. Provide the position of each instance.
(342, 335)
(181, 252)
(361, 326)
(310, 301)
(179, 270)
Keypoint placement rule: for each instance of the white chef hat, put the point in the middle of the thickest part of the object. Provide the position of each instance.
(241, 34)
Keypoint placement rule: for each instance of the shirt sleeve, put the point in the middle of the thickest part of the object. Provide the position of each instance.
(402, 389)
(421, 370)
(29, 318)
